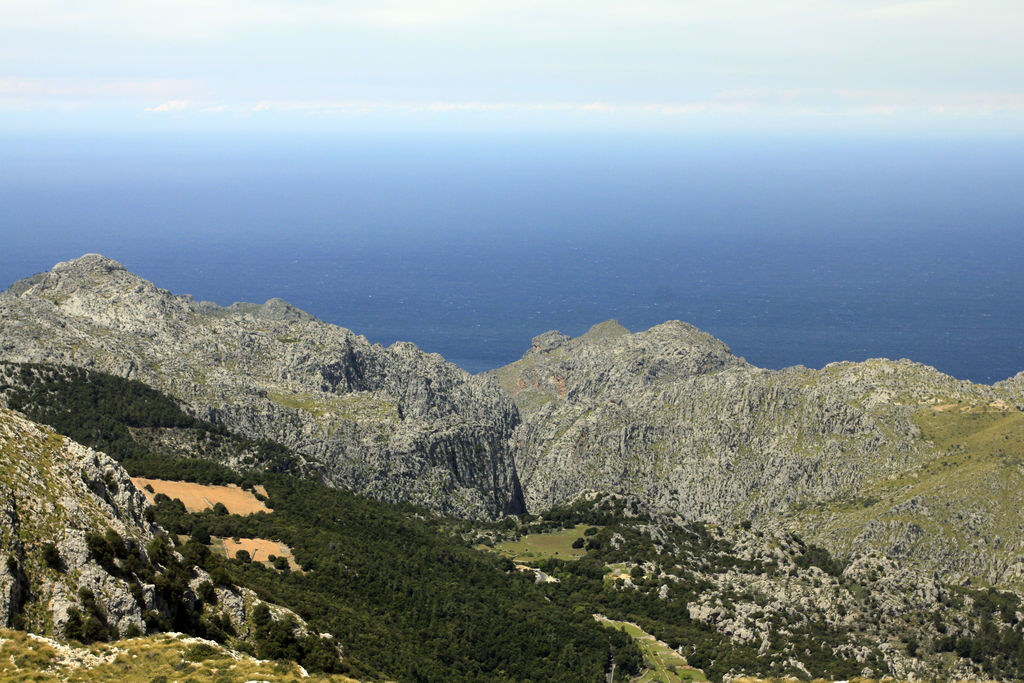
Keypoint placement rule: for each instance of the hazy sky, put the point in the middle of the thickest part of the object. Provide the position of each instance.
(747, 65)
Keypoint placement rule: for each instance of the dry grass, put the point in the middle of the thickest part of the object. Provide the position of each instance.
(153, 658)
(259, 549)
(199, 497)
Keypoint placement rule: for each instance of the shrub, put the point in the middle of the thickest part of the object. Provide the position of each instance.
(116, 543)
(100, 549)
(51, 556)
(220, 576)
(201, 534)
(159, 550)
(200, 651)
(73, 626)
(207, 593)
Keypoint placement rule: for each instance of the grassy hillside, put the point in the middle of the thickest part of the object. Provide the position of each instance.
(959, 505)
(157, 659)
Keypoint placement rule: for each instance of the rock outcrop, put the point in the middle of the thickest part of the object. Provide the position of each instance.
(886, 455)
(394, 423)
(53, 492)
(781, 603)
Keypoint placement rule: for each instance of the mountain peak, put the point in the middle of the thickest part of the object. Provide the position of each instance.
(607, 330)
(87, 272)
(88, 263)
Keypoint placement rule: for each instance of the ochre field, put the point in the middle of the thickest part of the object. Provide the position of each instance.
(199, 497)
(259, 549)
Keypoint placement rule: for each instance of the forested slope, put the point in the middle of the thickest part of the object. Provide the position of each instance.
(407, 599)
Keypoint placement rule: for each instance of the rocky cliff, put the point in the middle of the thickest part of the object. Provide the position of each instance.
(891, 456)
(53, 492)
(394, 423)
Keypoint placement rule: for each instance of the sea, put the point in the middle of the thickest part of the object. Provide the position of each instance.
(791, 249)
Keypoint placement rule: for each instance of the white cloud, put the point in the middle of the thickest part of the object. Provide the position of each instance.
(93, 88)
(185, 96)
(801, 102)
(331, 58)
(918, 9)
(170, 105)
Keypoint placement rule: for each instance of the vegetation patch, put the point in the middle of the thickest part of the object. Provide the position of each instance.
(534, 547)
(358, 406)
(981, 430)
(143, 429)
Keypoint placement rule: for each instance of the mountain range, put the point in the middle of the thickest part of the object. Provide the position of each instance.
(885, 455)
(891, 468)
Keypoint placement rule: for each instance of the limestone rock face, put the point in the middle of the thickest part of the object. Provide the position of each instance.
(886, 455)
(394, 423)
(1014, 386)
(52, 492)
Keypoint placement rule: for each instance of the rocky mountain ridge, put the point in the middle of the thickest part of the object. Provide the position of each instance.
(891, 456)
(740, 599)
(395, 423)
(888, 456)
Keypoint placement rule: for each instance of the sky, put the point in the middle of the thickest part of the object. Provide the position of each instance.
(600, 65)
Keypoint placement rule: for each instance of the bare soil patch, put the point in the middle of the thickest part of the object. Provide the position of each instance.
(199, 497)
(259, 549)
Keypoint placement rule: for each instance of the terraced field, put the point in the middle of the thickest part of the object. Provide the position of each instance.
(664, 665)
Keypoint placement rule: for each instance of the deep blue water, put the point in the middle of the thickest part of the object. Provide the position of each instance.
(792, 251)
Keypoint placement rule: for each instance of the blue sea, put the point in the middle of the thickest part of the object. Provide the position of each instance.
(792, 250)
